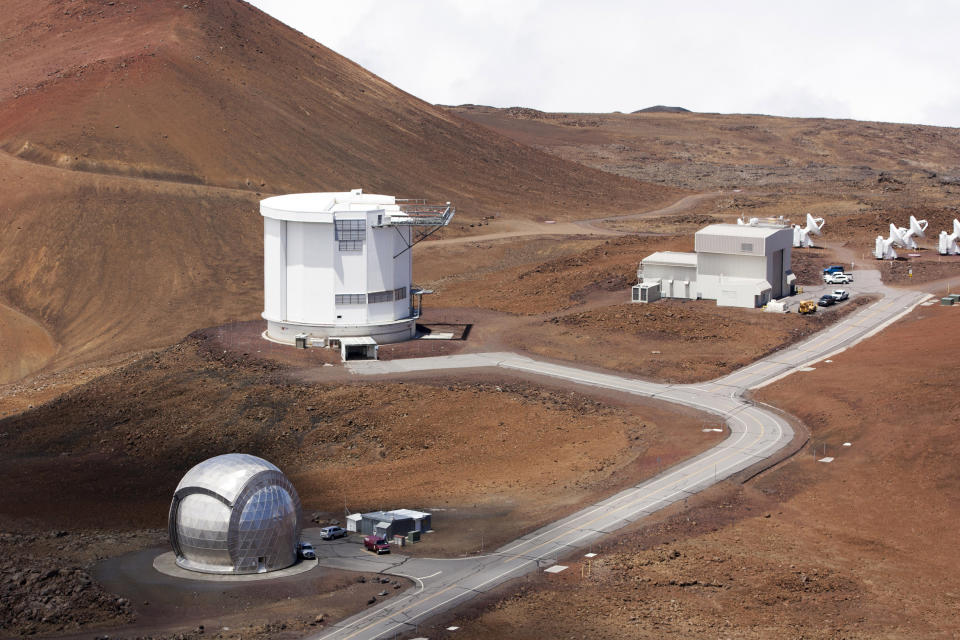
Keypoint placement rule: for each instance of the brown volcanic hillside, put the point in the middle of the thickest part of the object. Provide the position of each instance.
(859, 176)
(217, 92)
(709, 150)
(139, 136)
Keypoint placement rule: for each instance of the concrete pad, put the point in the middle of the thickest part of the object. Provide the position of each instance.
(166, 563)
(557, 568)
(589, 555)
(827, 459)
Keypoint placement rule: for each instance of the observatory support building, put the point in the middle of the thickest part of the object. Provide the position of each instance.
(338, 267)
(736, 265)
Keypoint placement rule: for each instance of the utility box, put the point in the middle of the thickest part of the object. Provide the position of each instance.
(646, 292)
(413, 536)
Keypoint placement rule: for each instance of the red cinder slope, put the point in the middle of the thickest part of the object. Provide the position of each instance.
(219, 93)
(136, 138)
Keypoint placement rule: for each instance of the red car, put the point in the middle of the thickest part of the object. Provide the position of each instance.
(376, 543)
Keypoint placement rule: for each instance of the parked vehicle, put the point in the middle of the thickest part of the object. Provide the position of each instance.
(329, 533)
(840, 295)
(838, 278)
(834, 268)
(306, 551)
(826, 300)
(807, 306)
(377, 544)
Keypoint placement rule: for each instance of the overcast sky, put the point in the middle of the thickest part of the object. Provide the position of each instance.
(880, 60)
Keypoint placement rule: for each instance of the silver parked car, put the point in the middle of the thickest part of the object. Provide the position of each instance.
(329, 533)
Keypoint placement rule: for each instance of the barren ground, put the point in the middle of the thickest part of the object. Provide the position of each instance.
(128, 222)
(110, 450)
(59, 581)
(569, 301)
(859, 176)
(857, 548)
(25, 346)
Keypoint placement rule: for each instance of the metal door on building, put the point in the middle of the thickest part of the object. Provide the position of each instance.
(778, 276)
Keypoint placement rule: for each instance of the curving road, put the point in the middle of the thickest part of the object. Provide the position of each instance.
(755, 435)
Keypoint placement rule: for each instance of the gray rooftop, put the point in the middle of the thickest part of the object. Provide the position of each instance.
(741, 230)
(672, 257)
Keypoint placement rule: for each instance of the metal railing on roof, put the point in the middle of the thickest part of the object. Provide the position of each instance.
(416, 212)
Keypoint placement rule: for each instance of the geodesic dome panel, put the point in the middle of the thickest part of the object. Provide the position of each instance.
(202, 523)
(235, 513)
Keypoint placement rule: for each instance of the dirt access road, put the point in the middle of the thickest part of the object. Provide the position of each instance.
(518, 228)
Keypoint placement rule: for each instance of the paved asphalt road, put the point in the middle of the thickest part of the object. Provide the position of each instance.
(755, 434)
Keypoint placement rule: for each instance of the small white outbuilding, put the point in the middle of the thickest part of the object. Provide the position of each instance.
(339, 265)
(736, 265)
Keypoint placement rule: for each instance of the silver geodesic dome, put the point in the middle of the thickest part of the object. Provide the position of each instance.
(235, 513)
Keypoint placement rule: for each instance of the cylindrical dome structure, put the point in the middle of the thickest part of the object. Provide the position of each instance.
(339, 265)
(235, 513)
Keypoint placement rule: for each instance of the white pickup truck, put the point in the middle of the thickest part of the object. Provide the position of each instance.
(837, 278)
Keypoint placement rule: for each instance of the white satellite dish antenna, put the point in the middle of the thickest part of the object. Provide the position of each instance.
(917, 229)
(883, 247)
(802, 235)
(949, 244)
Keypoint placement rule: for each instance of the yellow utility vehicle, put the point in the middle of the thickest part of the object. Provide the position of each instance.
(807, 306)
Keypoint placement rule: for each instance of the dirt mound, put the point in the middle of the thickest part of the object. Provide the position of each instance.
(662, 109)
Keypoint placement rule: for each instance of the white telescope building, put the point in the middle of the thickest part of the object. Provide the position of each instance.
(338, 268)
(738, 265)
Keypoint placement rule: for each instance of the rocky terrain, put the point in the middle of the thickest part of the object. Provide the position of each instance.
(135, 142)
(41, 595)
(807, 550)
(859, 176)
(729, 151)
(46, 583)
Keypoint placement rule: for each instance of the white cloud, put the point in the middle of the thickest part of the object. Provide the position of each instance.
(877, 60)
